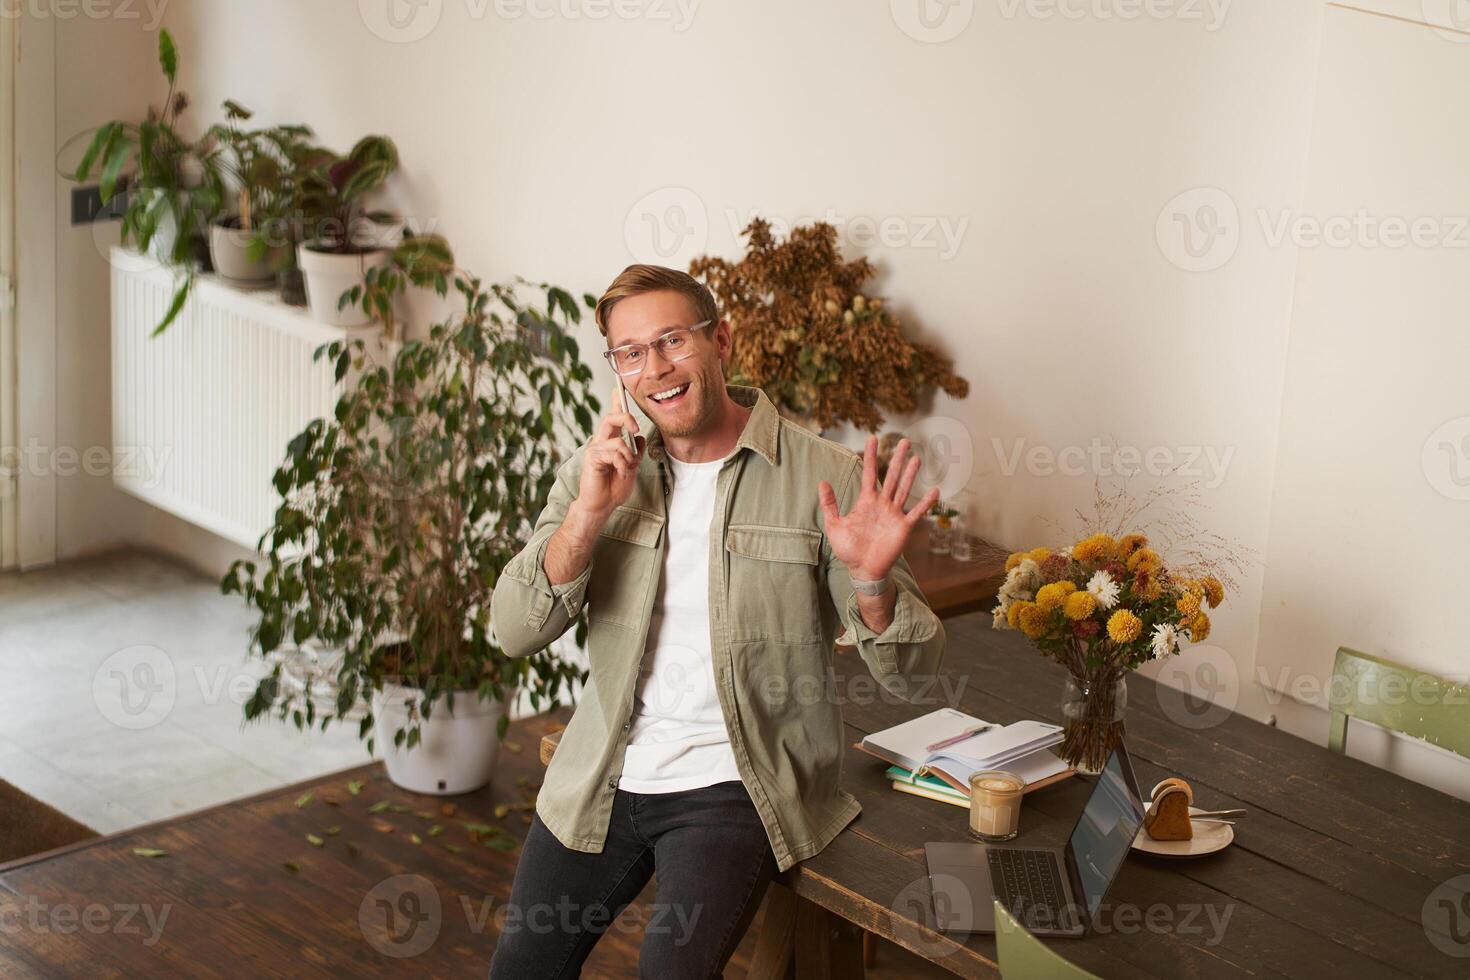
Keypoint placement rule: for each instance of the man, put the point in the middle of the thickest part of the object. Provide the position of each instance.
(717, 559)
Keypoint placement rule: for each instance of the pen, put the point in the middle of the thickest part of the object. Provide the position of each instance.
(982, 727)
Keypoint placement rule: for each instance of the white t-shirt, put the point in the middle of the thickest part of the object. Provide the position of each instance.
(678, 739)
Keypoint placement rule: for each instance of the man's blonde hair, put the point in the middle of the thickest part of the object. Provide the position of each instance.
(636, 280)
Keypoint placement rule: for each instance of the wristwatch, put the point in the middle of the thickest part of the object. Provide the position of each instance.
(873, 588)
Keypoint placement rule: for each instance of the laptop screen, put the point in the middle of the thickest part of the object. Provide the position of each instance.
(1106, 830)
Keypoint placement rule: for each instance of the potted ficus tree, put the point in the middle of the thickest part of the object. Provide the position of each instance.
(251, 242)
(343, 238)
(399, 514)
(174, 191)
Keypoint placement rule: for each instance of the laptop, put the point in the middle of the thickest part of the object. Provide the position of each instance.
(1050, 891)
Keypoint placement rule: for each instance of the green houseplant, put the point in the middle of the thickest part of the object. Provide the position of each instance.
(251, 241)
(339, 242)
(400, 512)
(174, 189)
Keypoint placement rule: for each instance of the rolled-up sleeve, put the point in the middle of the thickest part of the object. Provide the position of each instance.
(905, 655)
(528, 612)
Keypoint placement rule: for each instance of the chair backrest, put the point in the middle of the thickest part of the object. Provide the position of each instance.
(1024, 957)
(1399, 698)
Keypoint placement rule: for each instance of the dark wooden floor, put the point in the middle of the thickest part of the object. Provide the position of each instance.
(285, 877)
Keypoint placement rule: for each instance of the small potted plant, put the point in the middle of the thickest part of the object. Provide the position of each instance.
(248, 244)
(286, 222)
(340, 243)
(941, 527)
(823, 351)
(399, 513)
(173, 189)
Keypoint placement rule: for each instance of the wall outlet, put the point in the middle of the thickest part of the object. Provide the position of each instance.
(87, 206)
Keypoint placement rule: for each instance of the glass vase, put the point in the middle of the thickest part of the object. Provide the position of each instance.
(1093, 708)
(939, 532)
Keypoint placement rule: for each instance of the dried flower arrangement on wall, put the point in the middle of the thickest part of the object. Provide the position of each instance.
(808, 336)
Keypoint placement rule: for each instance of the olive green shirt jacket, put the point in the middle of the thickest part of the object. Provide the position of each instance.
(778, 601)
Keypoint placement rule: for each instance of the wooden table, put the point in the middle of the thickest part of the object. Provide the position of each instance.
(953, 587)
(1329, 876)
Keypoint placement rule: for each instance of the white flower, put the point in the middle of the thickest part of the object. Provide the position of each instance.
(998, 618)
(1021, 583)
(1011, 591)
(1027, 574)
(1103, 589)
(1166, 640)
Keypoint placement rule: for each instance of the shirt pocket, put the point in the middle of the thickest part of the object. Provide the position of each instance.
(622, 566)
(775, 588)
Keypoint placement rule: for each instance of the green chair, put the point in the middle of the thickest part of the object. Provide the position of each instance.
(1021, 956)
(1398, 698)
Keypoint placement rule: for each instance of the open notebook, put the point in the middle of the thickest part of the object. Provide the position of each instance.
(1021, 747)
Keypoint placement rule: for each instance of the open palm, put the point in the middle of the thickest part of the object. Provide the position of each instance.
(869, 538)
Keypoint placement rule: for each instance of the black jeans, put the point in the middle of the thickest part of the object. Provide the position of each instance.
(713, 863)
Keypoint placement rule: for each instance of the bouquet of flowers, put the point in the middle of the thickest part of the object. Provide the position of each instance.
(1101, 608)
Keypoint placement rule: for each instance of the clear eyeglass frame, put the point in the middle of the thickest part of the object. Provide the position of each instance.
(678, 336)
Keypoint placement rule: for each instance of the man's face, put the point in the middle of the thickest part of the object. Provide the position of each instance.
(698, 381)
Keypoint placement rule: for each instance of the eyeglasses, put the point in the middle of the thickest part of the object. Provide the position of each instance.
(675, 345)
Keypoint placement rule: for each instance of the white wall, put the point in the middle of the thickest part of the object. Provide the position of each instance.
(88, 507)
(1026, 174)
(100, 68)
(1372, 493)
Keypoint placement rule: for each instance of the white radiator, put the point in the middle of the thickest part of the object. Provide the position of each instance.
(201, 414)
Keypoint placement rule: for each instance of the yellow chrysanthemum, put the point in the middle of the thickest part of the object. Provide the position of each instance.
(1079, 605)
(1039, 555)
(1049, 597)
(1188, 604)
(1153, 590)
(1124, 627)
(1199, 627)
(1013, 612)
(1095, 548)
(1032, 621)
(1129, 543)
(1014, 560)
(1214, 591)
(1144, 558)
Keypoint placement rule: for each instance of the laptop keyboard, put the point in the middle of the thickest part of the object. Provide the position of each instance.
(1029, 884)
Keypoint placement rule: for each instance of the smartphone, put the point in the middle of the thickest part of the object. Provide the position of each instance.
(622, 406)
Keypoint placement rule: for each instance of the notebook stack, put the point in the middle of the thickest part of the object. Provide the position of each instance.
(923, 767)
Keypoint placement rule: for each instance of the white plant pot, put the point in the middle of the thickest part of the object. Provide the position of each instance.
(161, 245)
(228, 250)
(329, 274)
(457, 749)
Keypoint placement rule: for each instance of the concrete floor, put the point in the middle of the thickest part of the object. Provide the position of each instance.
(122, 686)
